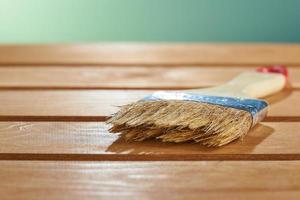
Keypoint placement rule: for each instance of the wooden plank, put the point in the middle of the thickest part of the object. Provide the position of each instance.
(149, 180)
(100, 103)
(92, 141)
(152, 54)
(155, 77)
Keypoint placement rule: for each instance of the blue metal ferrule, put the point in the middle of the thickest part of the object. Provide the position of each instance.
(257, 108)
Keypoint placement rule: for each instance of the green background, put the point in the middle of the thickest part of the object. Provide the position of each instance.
(56, 21)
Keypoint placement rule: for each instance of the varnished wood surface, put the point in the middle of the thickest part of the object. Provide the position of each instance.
(124, 77)
(98, 104)
(150, 180)
(152, 54)
(92, 141)
(55, 145)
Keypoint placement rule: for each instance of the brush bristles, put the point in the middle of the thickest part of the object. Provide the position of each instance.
(181, 121)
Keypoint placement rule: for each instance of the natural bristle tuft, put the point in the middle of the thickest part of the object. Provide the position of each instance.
(181, 121)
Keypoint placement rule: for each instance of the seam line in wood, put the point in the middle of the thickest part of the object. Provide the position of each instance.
(187, 64)
(153, 157)
(5, 88)
(104, 118)
(37, 88)
(55, 118)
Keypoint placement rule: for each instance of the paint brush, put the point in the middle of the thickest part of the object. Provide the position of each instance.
(212, 116)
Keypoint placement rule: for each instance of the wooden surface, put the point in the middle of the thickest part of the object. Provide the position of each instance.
(54, 143)
(151, 54)
(124, 77)
(102, 103)
(92, 141)
(150, 180)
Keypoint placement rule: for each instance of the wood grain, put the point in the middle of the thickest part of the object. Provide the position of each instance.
(53, 144)
(92, 141)
(149, 180)
(134, 77)
(97, 104)
(151, 54)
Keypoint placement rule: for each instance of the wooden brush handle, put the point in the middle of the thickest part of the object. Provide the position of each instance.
(263, 82)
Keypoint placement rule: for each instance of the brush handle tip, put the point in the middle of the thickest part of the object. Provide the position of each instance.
(279, 69)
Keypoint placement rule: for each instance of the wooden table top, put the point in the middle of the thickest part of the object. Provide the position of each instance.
(54, 143)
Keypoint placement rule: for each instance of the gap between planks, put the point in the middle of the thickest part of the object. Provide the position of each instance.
(104, 118)
(49, 88)
(167, 65)
(151, 157)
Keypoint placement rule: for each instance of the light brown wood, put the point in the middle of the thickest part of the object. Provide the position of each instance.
(150, 180)
(101, 103)
(92, 141)
(152, 54)
(123, 77)
(54, 145)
